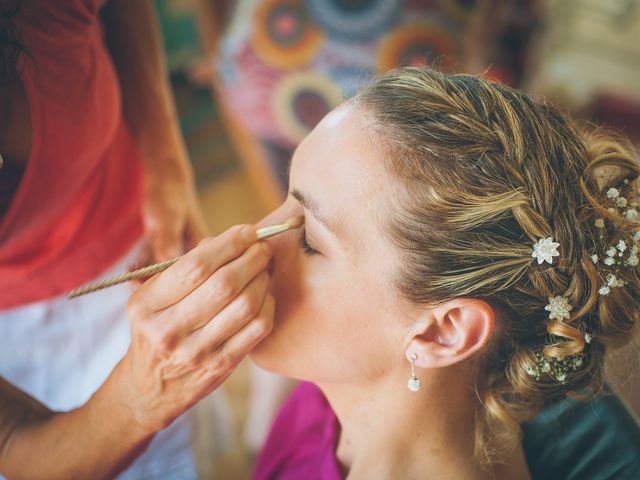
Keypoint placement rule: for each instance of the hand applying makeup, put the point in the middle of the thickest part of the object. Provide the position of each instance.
(193, 323)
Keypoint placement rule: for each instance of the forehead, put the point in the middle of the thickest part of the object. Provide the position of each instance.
(340, 166)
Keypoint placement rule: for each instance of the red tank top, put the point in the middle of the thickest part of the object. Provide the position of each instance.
(77, 208)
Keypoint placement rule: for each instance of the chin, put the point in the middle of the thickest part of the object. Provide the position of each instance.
(268, 356)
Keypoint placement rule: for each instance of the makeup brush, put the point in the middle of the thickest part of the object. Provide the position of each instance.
(149, 270)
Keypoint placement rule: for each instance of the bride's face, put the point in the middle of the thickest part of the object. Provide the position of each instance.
(339, 316)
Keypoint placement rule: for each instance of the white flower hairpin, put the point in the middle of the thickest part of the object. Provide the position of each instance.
(558, 308)
(545, 249)
(609, 260)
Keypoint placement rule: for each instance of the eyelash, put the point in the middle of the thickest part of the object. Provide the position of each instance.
(306, 248)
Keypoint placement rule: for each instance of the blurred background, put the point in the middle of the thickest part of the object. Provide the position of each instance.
(252, 77)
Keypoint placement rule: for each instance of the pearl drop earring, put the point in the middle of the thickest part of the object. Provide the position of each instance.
(414, 384)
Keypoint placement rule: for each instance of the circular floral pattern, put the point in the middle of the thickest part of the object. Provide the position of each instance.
(300, 101)
(355, 20)
(285, 36)
(416, 44)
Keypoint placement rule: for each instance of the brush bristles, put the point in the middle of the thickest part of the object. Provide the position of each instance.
(295, 222)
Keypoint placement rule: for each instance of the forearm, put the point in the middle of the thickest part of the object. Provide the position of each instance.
(135, 44)
(97, 440)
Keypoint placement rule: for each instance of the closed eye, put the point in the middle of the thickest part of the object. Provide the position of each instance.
(306, 248)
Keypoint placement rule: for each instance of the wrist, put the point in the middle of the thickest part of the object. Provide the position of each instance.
(125, 406)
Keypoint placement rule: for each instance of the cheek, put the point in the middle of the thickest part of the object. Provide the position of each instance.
(326, 326)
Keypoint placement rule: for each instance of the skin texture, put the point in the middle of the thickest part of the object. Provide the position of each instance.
(341, 323)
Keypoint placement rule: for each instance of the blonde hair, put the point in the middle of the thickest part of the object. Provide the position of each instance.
(487, 173)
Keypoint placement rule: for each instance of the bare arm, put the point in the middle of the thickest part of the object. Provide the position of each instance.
(170, 213)
(96, 440)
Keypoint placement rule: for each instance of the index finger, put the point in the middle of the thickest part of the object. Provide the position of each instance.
(193, 268)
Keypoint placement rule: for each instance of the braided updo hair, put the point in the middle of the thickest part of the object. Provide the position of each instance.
(487, 173)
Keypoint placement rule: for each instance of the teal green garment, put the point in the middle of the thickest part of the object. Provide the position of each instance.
(573, 440)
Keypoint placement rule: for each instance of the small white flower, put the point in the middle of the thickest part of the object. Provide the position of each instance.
(626, 181)
(613, 193)
(545, 249)
(614, 281)
(611, 251)
(631, 214)
(561, 377)
(634, 250)
(546, 367)
(621, 202)
(622, 246)
(531, 370)
(636, 236)
(609, 261)
(588, 337)
(577, 363)
(594, 258)
(604, 290)
(558, 308)
(632, 261)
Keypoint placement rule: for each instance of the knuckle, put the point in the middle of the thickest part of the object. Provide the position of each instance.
(196, 271)
(248, 306)
(260, 252)
(161, 338)
(238, 243)
(221, 364)
(267, 249)
(136, 310)
(225, 287)
(240, 238)
(206, 241)
(189, 359)
(261, 327)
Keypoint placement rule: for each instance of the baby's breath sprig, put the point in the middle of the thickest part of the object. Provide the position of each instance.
(556, 368)
(624, 252)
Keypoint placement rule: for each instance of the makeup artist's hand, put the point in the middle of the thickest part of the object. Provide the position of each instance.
(192, 324)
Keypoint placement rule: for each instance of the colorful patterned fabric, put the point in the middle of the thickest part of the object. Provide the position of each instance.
(285, 63)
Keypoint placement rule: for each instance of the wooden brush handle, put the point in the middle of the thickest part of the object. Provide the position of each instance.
(143, 272)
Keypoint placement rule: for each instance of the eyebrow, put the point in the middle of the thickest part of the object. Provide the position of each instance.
(312, 206)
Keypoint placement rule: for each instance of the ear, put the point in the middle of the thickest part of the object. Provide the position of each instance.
(452, 332)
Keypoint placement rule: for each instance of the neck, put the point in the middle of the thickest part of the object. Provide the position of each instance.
(391, 432)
